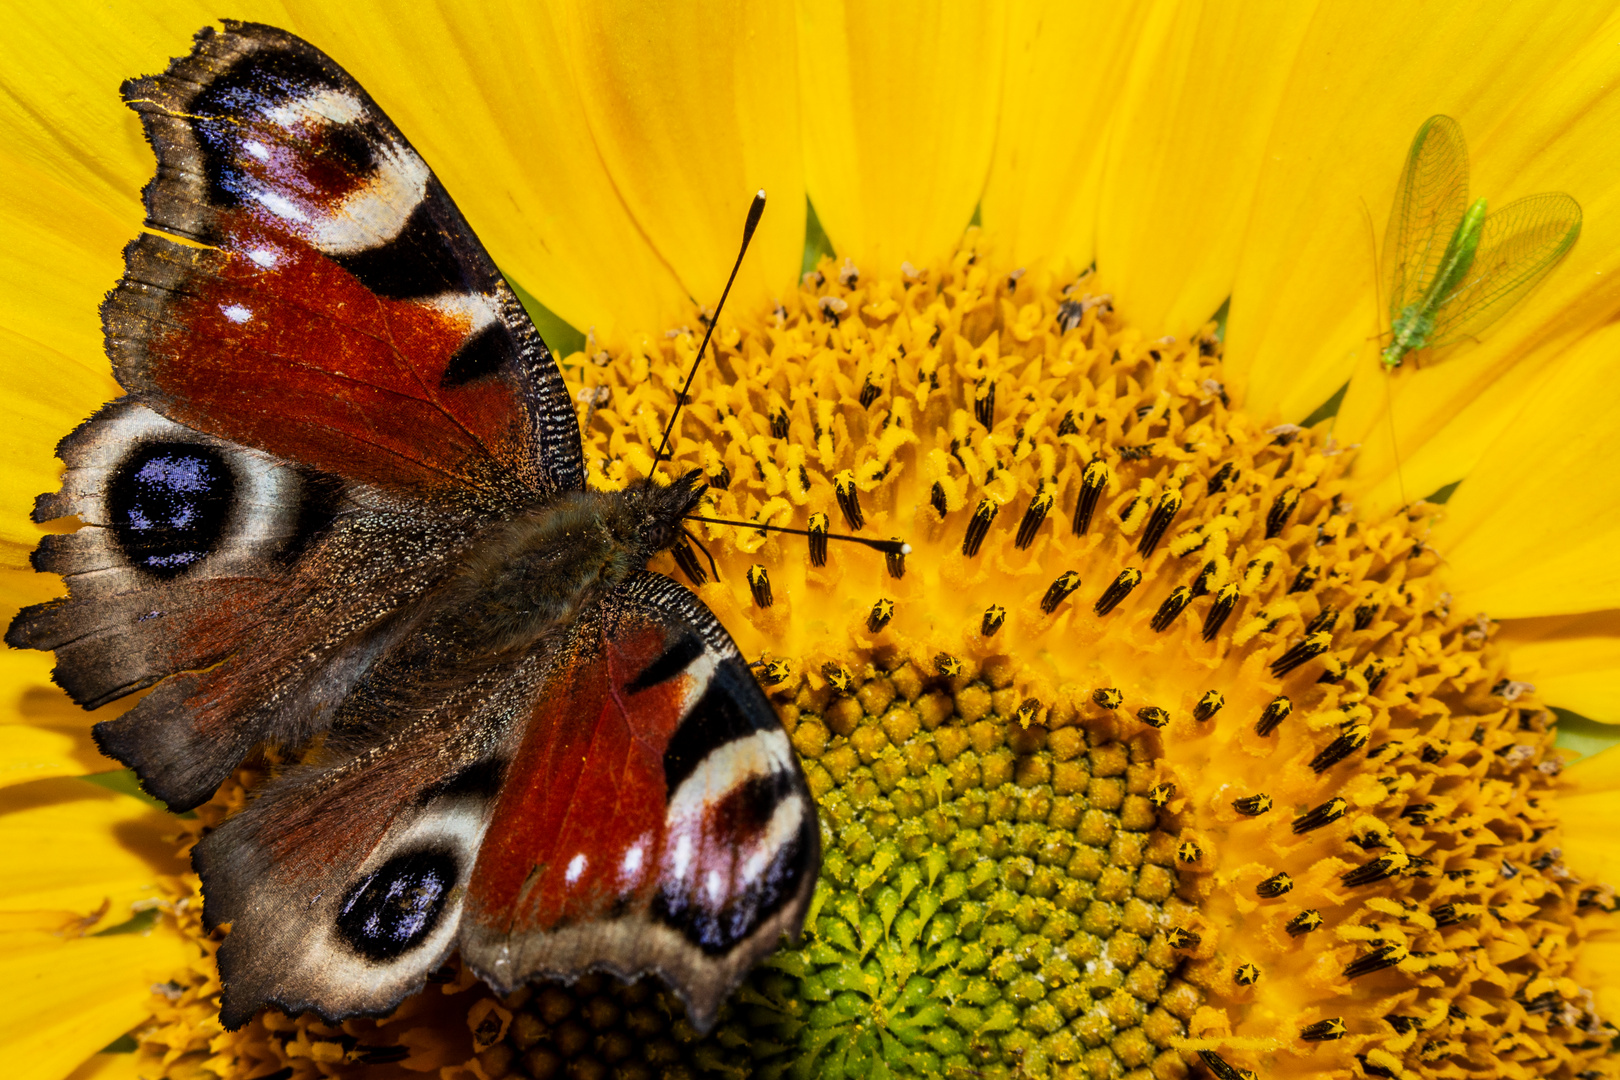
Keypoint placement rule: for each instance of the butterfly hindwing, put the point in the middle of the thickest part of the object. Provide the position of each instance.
(329, 304)
(655, 818)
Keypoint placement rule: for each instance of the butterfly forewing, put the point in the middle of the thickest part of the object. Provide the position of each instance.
(1520, 245)
(1429, 203)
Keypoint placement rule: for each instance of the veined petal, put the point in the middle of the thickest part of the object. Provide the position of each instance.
(900, 105)
(1187, 145)
(504, 127)
(1573, 660)
(73, 846)
(1058, 99)
(1533, 529)
(1588, 808)
(68, 998)
(694, 108)
(1305, 307)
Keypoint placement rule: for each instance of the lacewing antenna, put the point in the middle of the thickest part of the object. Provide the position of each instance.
(888, 547)
(755, 209)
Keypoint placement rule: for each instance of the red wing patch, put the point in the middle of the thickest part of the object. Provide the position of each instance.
(579, 828)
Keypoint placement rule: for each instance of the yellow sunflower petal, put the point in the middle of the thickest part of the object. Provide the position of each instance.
(109, 1067)
(66, 999)
(1533, 529)
(693, 109)
(1187, 145)
(504, 127)
(1588, 808)
(1304, 310)
(900, 105)
(1573, 660)
(1040, 200)
(73, 846)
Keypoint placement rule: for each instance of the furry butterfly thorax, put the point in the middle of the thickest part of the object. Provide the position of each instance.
(341, 513)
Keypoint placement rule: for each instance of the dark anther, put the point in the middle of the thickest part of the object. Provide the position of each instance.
(1364, 616)
(818, 539)
(1225, 601)
(1305, 579)
(1092, 482)
(1069, 314)
(1208, 706)
(1205, 578)
(1129, 578)
(1173, 604)
(1057, 592)
(1325, 619)
(1353, 739)
(1163, 514)
(1107, 697)
(882, 612)
(1448, 915)
(1274, 886)
(839, 676)
(1374, 674)
(1333, 669)
(1435, 752)
(1374, 1070)
(1418, 813)
(1177, 938)
(849, 500)
(1153, 716)
(936, 499)
(1381, 868)
(1160, 794)
(947, 665)
(984, 402)
(1222, 478)
(1324, 1030)
(1252, 805)
(721, 479)
(1136, 453)
(1275, 713)
(1246, 975)
(1189, 852)
(1038, 506)
(1326, 814)
(759, 583)
(978, 526)
(687, 560)
(1304, 922)
(994, 616)
(779, 424)
(895, 560)
(774, 672)
(1125, 511)
(1028, 710)
(1067, 426)
(1402, 1024)
(933, 339)
(1312, 646)
(1220, 1067)
(869, 393)
(1385, 956)
(1370, 840)
(1281, 508)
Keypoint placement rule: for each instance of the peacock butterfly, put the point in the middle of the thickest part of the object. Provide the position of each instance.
(342, 511)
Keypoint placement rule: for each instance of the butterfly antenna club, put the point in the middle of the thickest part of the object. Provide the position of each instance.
(755, 210)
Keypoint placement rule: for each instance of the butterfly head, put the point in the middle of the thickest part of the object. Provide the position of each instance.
(652, 514)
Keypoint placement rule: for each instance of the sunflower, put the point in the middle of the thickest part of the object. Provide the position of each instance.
(1217, 720)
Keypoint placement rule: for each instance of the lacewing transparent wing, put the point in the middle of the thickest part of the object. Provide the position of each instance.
(1453, 269)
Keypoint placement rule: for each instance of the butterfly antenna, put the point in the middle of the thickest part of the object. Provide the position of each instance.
(888, 547)
(755, 209)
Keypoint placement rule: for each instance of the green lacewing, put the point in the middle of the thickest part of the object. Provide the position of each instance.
(1453, 268)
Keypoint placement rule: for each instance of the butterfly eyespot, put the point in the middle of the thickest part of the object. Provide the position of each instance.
(169, 503)
(395, 908)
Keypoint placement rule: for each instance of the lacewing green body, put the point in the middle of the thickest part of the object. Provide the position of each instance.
(1454, 269)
